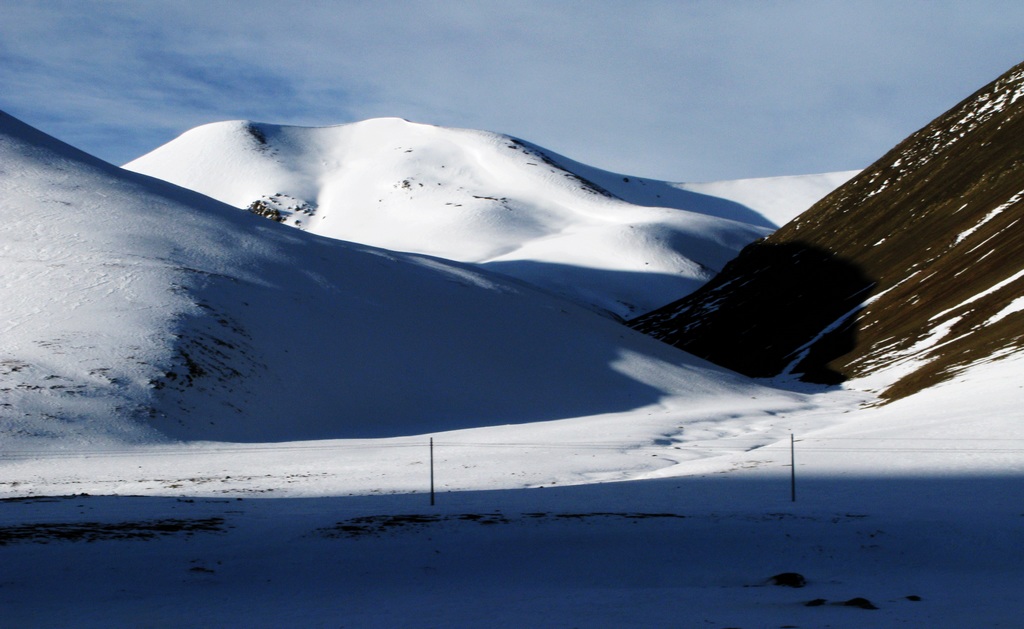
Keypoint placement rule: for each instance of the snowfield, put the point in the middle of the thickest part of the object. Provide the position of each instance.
(904, 515)
(619, 244)
(208, 420)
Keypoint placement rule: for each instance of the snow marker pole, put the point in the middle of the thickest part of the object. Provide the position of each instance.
(431, 471)
(792, 468)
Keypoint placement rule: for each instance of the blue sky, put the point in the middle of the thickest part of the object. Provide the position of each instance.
(684, 91)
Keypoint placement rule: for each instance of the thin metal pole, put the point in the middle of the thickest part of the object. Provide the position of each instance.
(792, 467)
(431, 471)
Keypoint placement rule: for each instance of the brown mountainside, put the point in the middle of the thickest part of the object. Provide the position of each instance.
(910, 272)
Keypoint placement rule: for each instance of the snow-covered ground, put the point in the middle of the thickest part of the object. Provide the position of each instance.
(585, 475)
(621, 244)
(913, 507)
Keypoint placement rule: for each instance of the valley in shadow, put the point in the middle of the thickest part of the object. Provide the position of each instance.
(777, 308)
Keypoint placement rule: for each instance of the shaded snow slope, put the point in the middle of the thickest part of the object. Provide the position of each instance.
(134, 310)
(911, 507)
(779, 199)
(619, 244)
(764, 201)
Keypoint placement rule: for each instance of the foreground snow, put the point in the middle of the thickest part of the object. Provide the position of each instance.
(696, 552)
(909, 506)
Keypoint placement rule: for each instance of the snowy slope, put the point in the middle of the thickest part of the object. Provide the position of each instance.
(477, 197)
(779, 199)
(135, 310)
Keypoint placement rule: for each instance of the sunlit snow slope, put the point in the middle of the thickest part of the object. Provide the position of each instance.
(624, 245)
(133, 310)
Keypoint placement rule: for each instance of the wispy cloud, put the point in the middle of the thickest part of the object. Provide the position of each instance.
(694, 91)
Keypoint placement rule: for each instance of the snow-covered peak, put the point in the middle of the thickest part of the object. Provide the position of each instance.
(472, 196)
(134, 310)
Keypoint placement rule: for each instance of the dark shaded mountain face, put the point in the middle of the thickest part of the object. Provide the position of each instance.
(911, 271)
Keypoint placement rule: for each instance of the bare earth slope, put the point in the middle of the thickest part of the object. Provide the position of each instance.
(903, 276)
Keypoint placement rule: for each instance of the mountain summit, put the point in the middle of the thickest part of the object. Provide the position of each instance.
(135, 311)
(902, 277)
(615, 243)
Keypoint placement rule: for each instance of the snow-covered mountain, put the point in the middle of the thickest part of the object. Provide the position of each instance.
(136, 310)
(616, 243)
(900, 278)
(133, 312)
